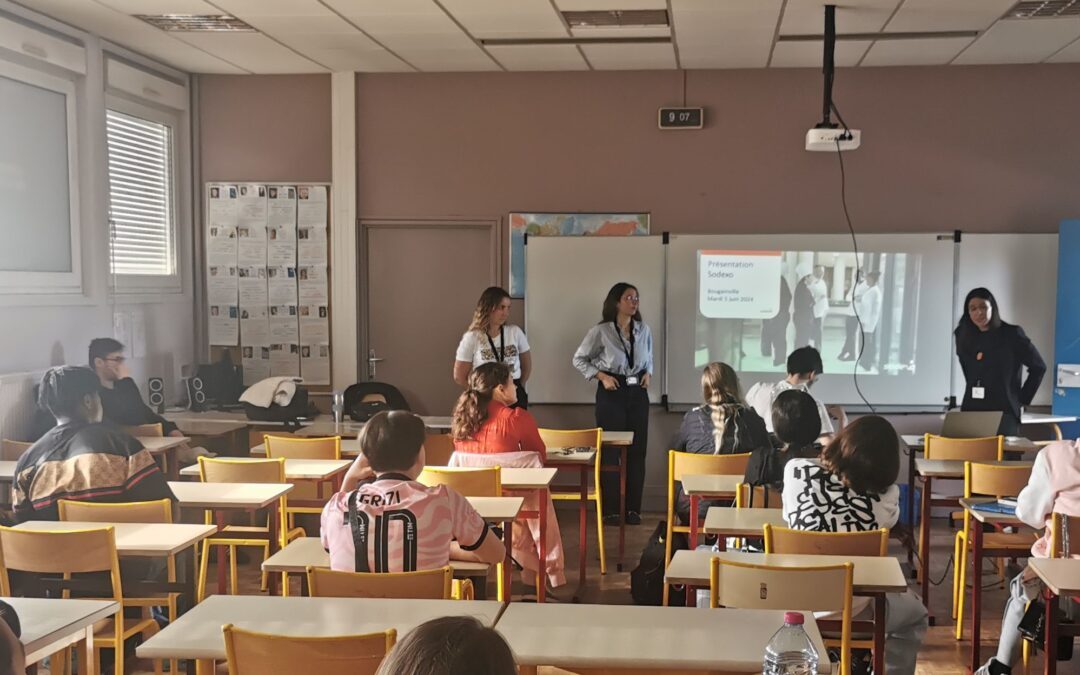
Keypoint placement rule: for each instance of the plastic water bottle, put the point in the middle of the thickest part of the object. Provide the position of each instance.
(790, 651)
(338, 407)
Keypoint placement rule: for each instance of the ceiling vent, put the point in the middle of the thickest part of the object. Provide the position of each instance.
(197, 23)
(1044, 9)
(618, 18)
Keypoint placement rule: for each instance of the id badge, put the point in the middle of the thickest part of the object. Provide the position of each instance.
(978, 392)
(632, 380)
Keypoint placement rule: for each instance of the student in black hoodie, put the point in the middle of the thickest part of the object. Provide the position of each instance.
(991, 354)
(724, 425)
(797, 425)
(120, 398)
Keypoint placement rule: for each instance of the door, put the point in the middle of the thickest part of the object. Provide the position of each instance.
(421, 282)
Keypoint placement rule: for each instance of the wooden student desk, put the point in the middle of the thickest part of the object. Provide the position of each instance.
(873, 576)
(732, 522)
(644, 639)
(197, 634)
(702, 486)
(164, 449)
(295, 469)
(234, 434)
(49, 625)
(1062, 578)
(324, 425)
(146, 540)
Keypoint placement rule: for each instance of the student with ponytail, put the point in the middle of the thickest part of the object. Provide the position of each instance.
(724, 425)
(489, 431)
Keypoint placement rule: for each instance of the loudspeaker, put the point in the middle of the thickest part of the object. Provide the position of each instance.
(156, 397)
(196, 394)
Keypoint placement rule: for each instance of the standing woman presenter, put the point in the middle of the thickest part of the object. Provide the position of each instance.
(617, 353)
(490, 339)
(991, 354)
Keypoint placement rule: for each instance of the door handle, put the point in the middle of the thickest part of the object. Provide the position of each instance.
(372, 361)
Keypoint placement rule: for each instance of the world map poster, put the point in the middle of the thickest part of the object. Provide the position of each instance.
(565, 225)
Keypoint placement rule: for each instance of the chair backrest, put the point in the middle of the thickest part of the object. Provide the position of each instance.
(686, 463)
(157, 511)
(572, 438)
(437, 449)
(293, 447)
(154, 430)
(59, 552)
(434, 584)
(758, 497)
(478, 482)
(784, 540)
(750, 586)
(251, 653)
(1064, 536)
(987, 449)
(218, 470)
(12, 450)
(994, 480)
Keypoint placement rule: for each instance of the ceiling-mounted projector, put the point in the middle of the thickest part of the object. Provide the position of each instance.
(831, 140)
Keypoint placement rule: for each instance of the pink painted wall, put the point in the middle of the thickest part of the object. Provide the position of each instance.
(990, 148)
(265, 127)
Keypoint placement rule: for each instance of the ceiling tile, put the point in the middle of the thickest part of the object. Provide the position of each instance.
(449, 60)
(943, 15)
(501, 19)
(807, 17)
(253, 51)
(729, 34)
(271, 7)
(809, 54)
(364, 61)
(539, 57)
(608, 5)
(1021, 41)
(323, 25)
(1070, 54)
(161, 6)
(630, 57)
(929, 52)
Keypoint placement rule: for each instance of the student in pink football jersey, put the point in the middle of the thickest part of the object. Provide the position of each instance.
(393, 523)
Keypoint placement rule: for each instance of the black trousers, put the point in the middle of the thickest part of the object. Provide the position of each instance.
(851, 328)
(869, 353)
(774, 338)
(523, 396)
(624, 409)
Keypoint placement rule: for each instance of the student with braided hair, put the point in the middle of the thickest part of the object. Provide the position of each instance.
(724, 425)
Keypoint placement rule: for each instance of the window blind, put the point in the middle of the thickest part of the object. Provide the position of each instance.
(140, 195)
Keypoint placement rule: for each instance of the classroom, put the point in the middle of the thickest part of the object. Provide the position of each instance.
(581, 337)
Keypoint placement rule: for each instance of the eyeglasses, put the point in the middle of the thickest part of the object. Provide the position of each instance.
(117, 359)
(632, 298)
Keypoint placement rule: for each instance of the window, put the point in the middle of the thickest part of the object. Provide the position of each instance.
(141, 199)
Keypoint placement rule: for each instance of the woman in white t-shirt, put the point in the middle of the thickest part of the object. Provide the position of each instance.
(491, 339)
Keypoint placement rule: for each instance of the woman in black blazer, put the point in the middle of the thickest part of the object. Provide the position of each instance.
(991, 354)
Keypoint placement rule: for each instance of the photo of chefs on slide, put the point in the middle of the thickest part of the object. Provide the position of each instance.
(755, 307)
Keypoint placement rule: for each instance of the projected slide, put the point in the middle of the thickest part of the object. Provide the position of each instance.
(754, 307)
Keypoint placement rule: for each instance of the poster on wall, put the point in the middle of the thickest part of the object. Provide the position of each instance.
(565, 225)
(256, 361)
(281, 225)
(311, 225)
(315, 362)
(284, 359)
(222, 275)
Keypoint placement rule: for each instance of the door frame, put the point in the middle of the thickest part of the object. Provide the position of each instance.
(495, 235)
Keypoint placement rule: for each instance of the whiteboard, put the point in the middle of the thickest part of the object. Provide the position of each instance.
(567, 279)
(1021, 271)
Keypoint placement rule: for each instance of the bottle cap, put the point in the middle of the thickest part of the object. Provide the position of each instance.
(794, 618)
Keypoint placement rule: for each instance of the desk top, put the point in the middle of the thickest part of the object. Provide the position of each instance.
(1012, 443)
(136, 540)
(295, 469)
(988, 516)
(324, 425)
(1061, 575)
(210, 427)
(954, 468)
(557, 456)
(1044, 418)
(497, 509)
(662, 638)
(197, 633)
(228, 495)
(45, 622)
(308, 551)
(158, 444)
(527, 478)
(872, 574)
(709, 485)
(732, 522)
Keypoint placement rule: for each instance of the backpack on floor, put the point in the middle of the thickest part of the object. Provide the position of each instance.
(647, 579)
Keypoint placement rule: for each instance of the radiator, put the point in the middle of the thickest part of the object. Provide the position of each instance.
(17, 405)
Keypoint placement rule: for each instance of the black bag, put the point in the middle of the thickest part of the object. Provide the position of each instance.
(361, 411)
(647, 579)
(297, 408)
(1033, 629)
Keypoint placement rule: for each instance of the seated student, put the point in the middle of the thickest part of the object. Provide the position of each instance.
(1054, 487)
(120, 398)
(803, 367)
(81, 458)
(393, 523)
(488, 432)
(12, 651)
(450, 646)
(797, 426)
(724, 425)
(852, 488)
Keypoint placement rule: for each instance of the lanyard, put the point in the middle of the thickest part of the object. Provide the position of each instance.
(499, 355)
(622, 343)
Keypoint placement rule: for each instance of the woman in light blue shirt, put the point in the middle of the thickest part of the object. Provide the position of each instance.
(617, 353)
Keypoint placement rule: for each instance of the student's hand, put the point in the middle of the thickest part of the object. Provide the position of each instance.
(609, 382)
(176, 433)
(645, 379)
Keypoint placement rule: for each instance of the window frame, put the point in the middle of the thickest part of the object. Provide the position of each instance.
(13, 282)
(142, 284)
